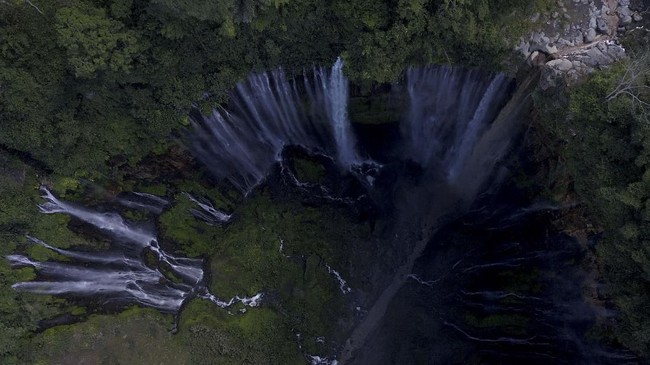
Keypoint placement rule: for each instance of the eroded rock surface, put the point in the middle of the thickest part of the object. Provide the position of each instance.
(579, 37)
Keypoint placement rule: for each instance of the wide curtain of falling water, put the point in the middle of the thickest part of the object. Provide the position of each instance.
(268, 111)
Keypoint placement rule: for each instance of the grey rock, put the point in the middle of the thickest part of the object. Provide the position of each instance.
(625, 14)
(590, 35)
(624, 10)
(532, 58)
(561, 64)
(577, 64)
(602, 25)
(550, 49)
(605, 9)
(535, 17)
(637, 17)
(524, 49)
(546, 48)
(595, 57)
(615, 51)
(592, 22)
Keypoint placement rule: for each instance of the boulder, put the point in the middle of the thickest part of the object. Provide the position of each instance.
(625, 14)
(549, 48)
(590, 35)
(595, 57)
(561, 64)
(615, 51)
(602, 26)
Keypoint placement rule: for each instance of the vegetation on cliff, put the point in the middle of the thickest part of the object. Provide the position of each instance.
(603, 148)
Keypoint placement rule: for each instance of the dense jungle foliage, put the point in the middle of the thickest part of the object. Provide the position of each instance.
(603, 135)
(90, 89)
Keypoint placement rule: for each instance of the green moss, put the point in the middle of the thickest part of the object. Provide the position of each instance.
(155, 189)
(40, 253)
(53, 229)
(135, 336)
(24, 274)
(373, 110)
(259, 336)
(63, 184)
(78, 311)
(309, 171)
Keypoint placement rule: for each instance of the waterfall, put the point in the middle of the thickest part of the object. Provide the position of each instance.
(267, 112)
(119, 274)
(337, 104)
(449, 110)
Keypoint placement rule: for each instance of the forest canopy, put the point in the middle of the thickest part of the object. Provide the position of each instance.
(87, 85)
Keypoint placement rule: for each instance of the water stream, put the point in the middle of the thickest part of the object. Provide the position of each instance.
(121, 274)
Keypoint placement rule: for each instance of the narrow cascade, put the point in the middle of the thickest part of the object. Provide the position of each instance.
(119, 275)
(337, 109)
(143, 201)
(267, 112)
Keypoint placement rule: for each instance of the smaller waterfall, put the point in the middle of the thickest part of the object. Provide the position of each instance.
(120, 274)
(143, 201)
(208, 212)
(337, 109)
(109, 222)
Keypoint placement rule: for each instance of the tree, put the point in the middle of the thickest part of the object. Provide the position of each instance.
(634, 84)
(94, 42)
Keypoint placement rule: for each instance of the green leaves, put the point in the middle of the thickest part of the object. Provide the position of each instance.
(611, 169)
(93, 41)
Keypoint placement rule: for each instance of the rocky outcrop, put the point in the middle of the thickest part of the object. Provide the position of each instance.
(579, 37)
